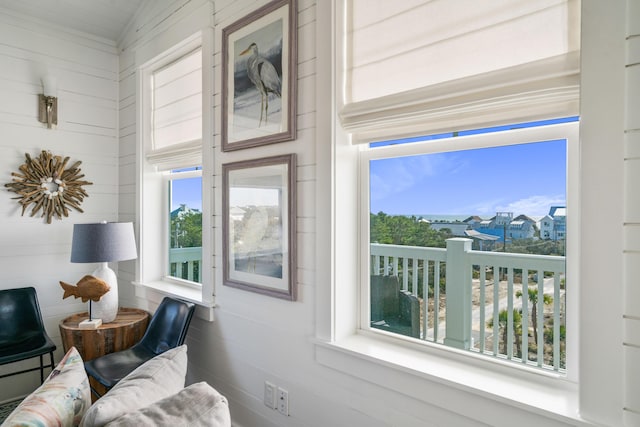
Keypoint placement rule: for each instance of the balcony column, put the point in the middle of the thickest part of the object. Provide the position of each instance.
(458, 289)
(190, 270)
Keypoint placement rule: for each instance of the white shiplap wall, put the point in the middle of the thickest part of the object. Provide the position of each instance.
(157, 27)
(256, 338)
(33, 253)
(223, 352)
(632, 216)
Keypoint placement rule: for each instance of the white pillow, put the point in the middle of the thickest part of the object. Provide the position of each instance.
(156, 379)
(198, 405)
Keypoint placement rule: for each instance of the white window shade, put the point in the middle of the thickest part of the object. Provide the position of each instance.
(177, 156)
(177, 113)
(408, 61)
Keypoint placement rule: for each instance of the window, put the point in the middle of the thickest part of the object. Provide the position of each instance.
(486, 84)
(185, 224)
(175, 174)
(454, 257)
(437, 68)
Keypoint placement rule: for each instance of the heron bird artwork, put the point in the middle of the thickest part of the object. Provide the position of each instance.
(264, 77)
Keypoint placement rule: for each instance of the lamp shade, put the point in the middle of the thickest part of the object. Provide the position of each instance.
(103, 242)
(50, 85)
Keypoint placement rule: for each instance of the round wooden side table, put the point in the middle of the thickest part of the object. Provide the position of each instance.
(126, 330)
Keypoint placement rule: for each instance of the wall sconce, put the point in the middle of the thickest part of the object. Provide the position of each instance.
(48, 102)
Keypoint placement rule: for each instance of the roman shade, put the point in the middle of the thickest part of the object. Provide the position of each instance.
(176, 116)
(427, 65)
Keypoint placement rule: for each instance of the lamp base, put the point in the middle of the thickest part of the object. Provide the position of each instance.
(107, 308)
(90, 324)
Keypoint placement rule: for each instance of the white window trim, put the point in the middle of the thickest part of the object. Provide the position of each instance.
(151, 279)
(567, 131)
(435, 377)
(167, 177)
(391, 361)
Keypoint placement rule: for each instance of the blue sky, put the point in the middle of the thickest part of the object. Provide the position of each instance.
(187, 191)
(523, 179)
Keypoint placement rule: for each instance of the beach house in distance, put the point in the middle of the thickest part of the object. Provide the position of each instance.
(503, 225)
(553, 226)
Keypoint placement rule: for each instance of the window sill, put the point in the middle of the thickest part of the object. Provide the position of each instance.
(439, 379)
(204, 309)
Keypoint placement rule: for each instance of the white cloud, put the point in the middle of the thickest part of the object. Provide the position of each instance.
(403, 173)
(532, 206)
(484, 208)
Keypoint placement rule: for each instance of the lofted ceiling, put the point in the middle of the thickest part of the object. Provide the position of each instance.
(103, 18)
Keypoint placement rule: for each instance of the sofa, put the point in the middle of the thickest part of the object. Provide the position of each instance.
(152, 395)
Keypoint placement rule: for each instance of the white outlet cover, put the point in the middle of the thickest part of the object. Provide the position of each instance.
(283, 401)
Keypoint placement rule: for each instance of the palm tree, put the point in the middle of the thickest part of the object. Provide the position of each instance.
(503, 319)
(533, 297)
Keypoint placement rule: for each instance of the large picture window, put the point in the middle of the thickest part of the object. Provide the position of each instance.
(467, 243)
(461, 69)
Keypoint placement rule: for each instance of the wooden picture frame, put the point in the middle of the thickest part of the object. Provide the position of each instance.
(259, 225)
(259, 77)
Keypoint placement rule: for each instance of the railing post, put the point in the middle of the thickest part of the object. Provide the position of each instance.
(458, 289)
(190, 270)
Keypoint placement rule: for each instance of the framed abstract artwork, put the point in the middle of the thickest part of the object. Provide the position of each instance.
(259, 225)
(259, 77)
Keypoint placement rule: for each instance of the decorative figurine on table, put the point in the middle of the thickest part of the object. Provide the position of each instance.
(89, 288)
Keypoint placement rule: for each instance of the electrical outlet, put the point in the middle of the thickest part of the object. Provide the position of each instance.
(283, 401)
(270, 395)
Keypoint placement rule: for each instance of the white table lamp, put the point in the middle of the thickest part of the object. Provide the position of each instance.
(104, 242)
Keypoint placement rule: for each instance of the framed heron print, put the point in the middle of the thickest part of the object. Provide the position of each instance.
(259, 77)
(259, 225)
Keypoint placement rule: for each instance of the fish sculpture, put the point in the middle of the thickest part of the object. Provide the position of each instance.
(88, 288)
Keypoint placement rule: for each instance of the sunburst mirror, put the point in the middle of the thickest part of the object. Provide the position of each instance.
(45, 183)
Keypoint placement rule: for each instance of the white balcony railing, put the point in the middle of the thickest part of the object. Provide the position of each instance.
(485, 302)
(186, 260)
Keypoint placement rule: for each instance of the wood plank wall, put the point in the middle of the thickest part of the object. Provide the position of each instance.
(632, 215)
(33, 253)
(224, 352)
(254, 338)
